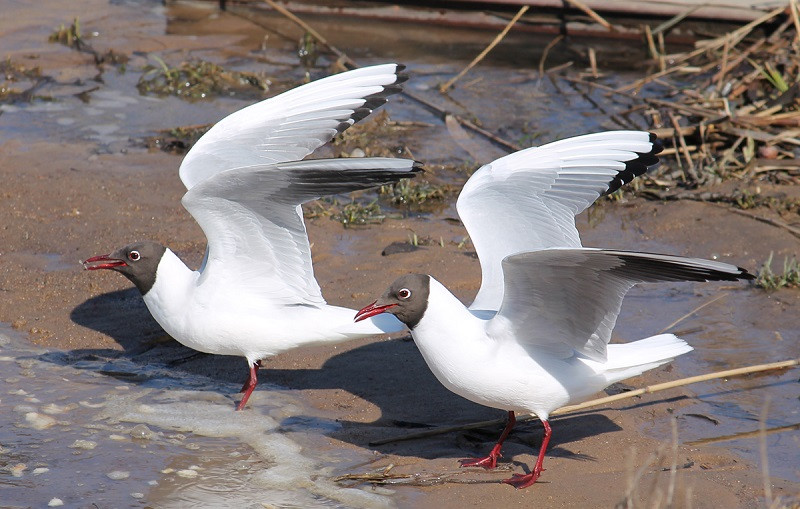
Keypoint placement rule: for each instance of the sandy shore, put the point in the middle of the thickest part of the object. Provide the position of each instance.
(62, 212)
(63, 201)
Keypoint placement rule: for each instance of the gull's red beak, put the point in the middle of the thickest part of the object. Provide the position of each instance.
(103, 262)
(372, 310)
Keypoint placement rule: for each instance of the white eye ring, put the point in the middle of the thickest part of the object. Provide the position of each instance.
(404, 294)
(134, 256)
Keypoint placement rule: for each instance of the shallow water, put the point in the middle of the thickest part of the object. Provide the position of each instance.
(115, 433)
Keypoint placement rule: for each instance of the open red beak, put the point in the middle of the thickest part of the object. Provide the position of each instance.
(103, 262)
(372, 310)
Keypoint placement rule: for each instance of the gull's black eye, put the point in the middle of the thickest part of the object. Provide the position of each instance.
(134, 256)
(404, 294)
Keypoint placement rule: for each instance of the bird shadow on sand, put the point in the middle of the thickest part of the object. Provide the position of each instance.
(122, 316)
(393, 376)
(389, 374)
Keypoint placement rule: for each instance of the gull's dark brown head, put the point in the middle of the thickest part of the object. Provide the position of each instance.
(406, 298)
(137, 262)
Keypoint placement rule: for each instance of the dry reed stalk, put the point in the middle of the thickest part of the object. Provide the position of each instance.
(600, 401)
(589, 12)
(486, 50)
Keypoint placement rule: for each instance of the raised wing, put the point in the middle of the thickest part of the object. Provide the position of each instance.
(567, 300)
(254, 223)
(290, 126)
(528, 200)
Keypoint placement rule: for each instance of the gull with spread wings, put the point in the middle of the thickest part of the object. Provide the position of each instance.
(536, 337)
(255, 294)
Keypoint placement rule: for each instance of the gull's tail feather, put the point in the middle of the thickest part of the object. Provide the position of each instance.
(631, 359)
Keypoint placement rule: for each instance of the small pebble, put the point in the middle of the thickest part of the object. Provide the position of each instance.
(40, 470)
(192, 447)
(137, 495)
(83, 444)
(55, 502)
(187, 473)
(18, 469)
(141, 432)
(118, 475)
(117, 437)
(39, 421)
(357, 152)
(167, 470)
(152, 483)
(122, 388)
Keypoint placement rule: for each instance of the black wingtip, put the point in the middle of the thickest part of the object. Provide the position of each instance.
(638, 166)
(374, 101)
(744, 274)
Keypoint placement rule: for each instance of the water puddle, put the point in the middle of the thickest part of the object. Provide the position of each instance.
(115, 433)
(739, 327)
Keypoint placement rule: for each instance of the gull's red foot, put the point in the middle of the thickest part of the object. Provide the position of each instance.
(489, 462)
(520, 481)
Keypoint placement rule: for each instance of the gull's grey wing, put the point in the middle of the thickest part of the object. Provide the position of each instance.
(290, 126)
(567, 300)
(528, 200)
(254, 223)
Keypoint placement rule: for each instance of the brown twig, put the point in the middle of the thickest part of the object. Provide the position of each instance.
(774, 222)
(589, 12)
(690, 313)
(545, 52)
(486, 50)
(600, 401)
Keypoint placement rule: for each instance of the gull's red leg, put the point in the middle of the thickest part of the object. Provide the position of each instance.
(523, 481)
(490, 461)
(250, 384)
(251, 379)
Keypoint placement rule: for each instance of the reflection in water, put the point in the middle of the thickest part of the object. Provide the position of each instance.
(119, 439)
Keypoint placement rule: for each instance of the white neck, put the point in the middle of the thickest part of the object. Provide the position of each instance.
(446, 322)
(171, 292)
(451, 339)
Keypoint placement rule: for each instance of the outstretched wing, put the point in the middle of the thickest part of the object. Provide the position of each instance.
(254, 223)
(567, 300)
(528, 200)
(290, 126)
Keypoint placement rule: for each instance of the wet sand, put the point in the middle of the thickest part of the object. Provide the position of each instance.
(64, 200)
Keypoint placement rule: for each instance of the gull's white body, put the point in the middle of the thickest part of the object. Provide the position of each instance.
(217, 315)
(482, 361)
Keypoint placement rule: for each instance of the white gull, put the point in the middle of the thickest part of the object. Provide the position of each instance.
(536, 336)
(255, 294)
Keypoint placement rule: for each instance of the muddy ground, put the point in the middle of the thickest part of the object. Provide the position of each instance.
(65, 198)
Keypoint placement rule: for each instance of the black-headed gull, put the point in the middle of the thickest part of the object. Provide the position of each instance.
(255, 294)
(536, 336)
